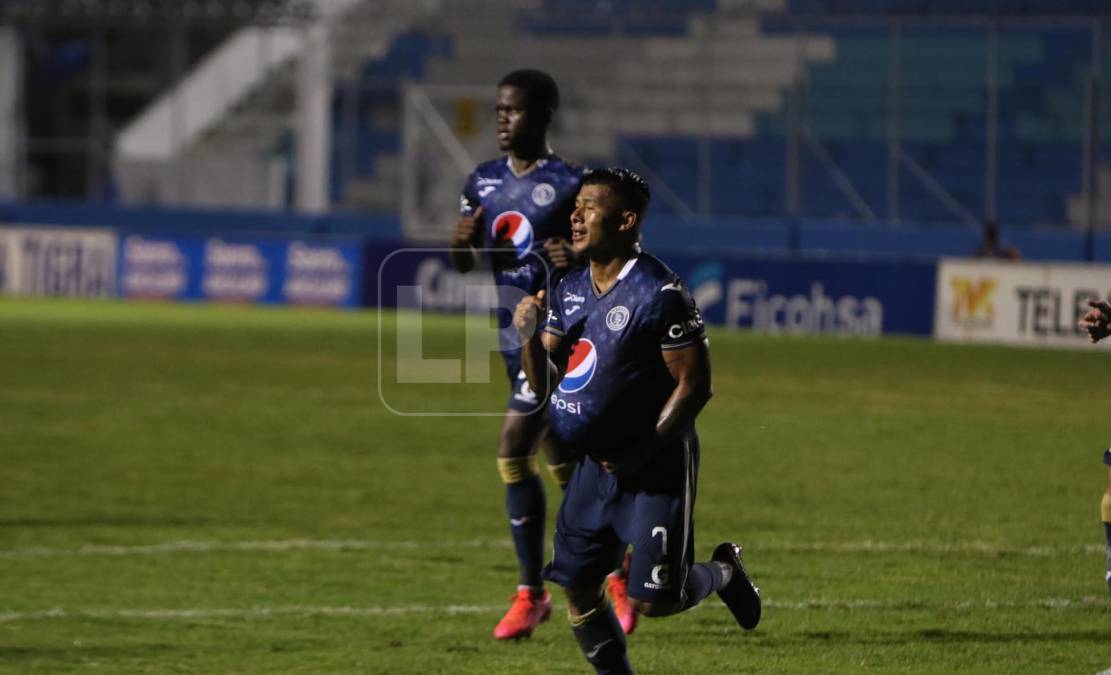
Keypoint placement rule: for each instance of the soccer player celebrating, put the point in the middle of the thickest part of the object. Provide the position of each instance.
(624, 357)
(1097, 323)
(518, 208)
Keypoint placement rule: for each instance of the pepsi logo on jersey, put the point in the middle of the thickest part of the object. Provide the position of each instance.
(514, 227)
(573, 407)
(581, 365)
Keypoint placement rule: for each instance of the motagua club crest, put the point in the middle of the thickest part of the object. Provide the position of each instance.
(617, 318)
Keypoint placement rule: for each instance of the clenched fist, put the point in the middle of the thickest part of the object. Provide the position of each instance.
(465, 228)
(1097, 322)
(528, 314)
(559, 252)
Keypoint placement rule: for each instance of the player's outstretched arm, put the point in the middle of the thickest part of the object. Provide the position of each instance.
(542, 373)
(464, 240)
(1097, 322)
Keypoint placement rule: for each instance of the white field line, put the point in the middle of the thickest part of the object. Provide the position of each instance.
(282, 545)
(930, 547)
(274, 546)
(248, 613)
(357, 612)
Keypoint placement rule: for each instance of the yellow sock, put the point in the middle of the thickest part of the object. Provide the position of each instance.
(561, 473)
(517, 469)
(578, 620)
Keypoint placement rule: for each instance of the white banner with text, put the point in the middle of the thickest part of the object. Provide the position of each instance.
(1034, 304)
(57, 261)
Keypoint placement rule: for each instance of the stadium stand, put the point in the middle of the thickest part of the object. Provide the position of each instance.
(628, 72)
(701, 98)
(241, 157)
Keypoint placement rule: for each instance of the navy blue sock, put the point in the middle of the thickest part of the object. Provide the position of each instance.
(603, 642)
(1107, 533)
(702, 580)
(526, 506)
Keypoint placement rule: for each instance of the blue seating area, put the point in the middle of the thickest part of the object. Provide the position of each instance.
(1041, 74)
(918, 7)
(407, 57)
(620, 17)
(942, 128)
(357, 140)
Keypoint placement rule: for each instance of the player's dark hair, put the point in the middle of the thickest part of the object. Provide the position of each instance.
(628, 185)
(539, 87)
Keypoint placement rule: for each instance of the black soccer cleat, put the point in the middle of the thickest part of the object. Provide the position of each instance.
(1107, 578)
(739, 595)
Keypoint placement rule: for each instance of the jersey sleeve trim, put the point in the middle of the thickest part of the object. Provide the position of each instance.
(669, 346)
(553, 320)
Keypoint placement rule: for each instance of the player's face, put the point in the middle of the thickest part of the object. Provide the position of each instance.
(596, 220)
(515, 128)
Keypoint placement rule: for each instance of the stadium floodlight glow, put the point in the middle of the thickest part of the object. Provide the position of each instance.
(440, 333)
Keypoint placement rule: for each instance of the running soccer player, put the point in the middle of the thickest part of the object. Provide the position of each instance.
(517, 208)
(624, 357)
(1097, 323)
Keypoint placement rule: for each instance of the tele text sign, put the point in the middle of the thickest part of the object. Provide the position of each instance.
(1015, 302)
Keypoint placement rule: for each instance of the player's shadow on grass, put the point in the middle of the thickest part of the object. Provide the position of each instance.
(771, 639)
(943, 635)
(105, 521)
(946, 636)
(70, 653)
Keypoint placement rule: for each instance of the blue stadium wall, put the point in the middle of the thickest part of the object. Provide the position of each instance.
(773, 276)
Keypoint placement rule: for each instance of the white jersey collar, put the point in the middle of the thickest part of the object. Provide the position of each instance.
(627, 268)
(539, 163)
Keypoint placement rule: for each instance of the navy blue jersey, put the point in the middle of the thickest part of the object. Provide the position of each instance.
(616, 382)
(521, 212)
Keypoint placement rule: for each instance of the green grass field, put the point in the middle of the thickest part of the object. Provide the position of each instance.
(212, 490)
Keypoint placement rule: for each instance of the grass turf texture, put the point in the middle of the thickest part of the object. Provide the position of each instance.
(905, 506)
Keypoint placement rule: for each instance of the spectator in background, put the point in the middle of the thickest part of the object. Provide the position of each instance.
(991, 246)
(1097, 324)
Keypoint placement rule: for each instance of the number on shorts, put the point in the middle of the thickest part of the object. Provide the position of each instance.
(662, 531)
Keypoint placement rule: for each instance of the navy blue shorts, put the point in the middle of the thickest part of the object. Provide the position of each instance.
(652, 512)
(1107, 457)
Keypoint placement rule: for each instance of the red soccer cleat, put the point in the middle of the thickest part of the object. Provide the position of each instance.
(524, 615)
(618, 587)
